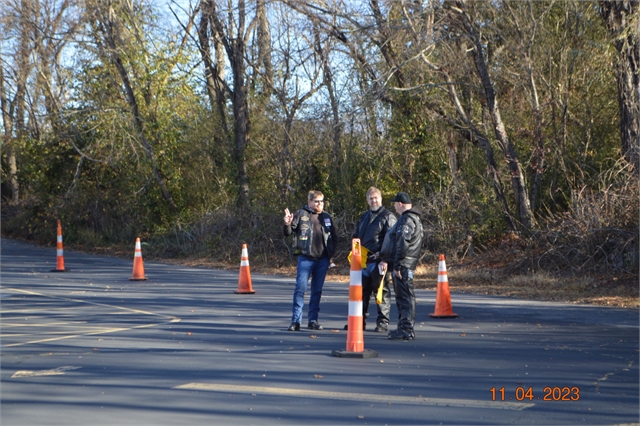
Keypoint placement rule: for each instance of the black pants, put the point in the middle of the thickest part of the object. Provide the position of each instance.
(405, 301)
(370, 287)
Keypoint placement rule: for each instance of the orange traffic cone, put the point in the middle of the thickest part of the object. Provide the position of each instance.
(244, 280)
(59, 252)
(443, 298)
(138, 268)
(355, 335)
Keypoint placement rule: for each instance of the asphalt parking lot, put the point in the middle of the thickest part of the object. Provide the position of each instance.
(88, 346)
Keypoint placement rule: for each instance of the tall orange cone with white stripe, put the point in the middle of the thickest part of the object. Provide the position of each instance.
(355, 334)
(138, 267)
(59, 252)
(244, 280)
(443, 298)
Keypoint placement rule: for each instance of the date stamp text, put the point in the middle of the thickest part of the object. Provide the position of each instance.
(549, 393)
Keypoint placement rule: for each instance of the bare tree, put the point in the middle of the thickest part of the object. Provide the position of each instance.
(214, 69)
(109, 29)
(7, 122)
(16, 21)
(229, 27)
(623, 23)
(53, 26)
(468, 25)
(323, 50)
(461, 118)
(299, 78)
(526, 38)
(264, 45)
(36, 78)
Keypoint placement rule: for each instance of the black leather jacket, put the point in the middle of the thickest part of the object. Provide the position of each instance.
(373, 227)
(408, 241)
(388, 250)
(304, 235)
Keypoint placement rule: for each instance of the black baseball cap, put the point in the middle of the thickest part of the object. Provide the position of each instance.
(402, 197)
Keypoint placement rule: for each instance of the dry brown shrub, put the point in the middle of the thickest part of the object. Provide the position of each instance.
(599, 233)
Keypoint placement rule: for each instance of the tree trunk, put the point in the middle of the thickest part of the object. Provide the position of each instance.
(214, 78)
(241, 110)
(235, 46)
(8, 139)
(517, 177)
(14, 112)
(525, 46)
(622, 21)
(264, 45)
(384, 44)
(470, 132)
(213, 68)
(242, 125)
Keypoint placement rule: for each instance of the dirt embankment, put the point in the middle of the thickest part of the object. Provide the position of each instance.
(490, 274)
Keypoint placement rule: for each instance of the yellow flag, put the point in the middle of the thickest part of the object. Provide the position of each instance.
(379, 293)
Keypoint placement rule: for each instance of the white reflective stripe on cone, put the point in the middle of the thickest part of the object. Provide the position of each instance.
(355, 309)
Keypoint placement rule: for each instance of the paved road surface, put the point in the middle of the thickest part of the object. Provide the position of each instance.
(89, 346)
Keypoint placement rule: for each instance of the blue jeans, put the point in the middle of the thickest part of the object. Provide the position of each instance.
(317, 269)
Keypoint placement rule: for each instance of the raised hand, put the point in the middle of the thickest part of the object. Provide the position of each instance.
(287, 217)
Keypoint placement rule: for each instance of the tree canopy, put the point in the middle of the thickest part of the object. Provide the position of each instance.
(196, 123)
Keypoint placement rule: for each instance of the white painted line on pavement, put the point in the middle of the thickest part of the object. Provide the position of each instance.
(40, 325)
(364, 397)
(18, 311)
(97, 331)
(54, 372)
(93, 333)
(137, 311)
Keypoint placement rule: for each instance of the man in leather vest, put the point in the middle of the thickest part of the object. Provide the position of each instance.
(371, 229)
(402, 257)
(316, 240)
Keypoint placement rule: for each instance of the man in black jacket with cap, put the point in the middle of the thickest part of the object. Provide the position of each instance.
(405, 253)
